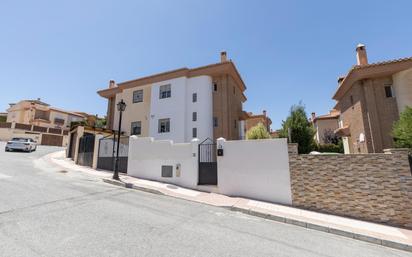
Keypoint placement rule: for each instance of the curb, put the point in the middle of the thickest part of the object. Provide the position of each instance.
(131, 186)
(339, 232)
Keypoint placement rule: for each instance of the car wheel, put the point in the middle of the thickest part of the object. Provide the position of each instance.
(6, 150)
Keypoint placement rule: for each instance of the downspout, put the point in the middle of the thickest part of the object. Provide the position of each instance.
(369, 120)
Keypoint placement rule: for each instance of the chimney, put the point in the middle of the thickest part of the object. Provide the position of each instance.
(223, 56)
(361, 56)
(340, 79)
(313, 116)
(112, 84)
(264, 113)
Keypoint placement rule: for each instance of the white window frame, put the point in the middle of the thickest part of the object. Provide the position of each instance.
(136, 124)
(163, 126)
(165, 91)
(138, 96)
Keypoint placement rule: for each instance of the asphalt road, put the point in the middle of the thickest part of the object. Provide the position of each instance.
(46, 211)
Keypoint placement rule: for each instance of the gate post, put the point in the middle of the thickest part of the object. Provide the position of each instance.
(80, 132)
(195, 159)
(96, 150)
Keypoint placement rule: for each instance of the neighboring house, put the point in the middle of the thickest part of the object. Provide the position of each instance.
(37, 120)
(370, 98)
(38, 113)
(3, 116)
(250, 120)
(203, 102)
(325, 125)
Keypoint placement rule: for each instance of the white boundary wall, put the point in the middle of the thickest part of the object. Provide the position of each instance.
(257, 169)
(146, 157)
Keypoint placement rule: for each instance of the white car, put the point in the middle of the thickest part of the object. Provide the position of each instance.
(21, 144)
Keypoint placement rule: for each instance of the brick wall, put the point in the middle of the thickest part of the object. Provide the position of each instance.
(372, 187)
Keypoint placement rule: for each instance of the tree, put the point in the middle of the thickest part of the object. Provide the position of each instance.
(257, 132)
(301, 130)
(329, 137)
(402, 129)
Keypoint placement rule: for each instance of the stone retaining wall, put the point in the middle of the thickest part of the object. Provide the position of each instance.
(372, 187)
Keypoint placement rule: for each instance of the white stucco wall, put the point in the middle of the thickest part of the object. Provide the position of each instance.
(202, 86)
(179, 108)
(257, 169)
(146, 157)
(402, 85)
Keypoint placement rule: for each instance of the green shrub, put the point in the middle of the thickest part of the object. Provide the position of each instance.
(257, 132)
(402, 129)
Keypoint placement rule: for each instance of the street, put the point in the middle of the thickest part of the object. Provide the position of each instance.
(46, 211)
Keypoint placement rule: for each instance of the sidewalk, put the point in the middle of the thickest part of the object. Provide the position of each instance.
(366, 231)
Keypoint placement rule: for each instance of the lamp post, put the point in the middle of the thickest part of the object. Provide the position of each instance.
(121, 106)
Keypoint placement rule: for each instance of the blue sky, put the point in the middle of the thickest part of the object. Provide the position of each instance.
(286, 51)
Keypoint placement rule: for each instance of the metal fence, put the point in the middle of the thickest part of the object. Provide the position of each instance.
(107, 153)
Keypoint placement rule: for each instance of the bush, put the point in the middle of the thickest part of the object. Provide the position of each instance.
(330, 148)
(257, 132)
(402, 129)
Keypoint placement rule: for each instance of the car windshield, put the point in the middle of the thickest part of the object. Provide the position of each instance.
(16, 139)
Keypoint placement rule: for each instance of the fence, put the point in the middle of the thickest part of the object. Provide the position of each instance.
(374, 187)
(107, 153)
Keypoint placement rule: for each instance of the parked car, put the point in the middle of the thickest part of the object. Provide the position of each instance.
(21, 144)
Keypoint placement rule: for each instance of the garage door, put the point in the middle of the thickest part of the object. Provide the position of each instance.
(53, 140)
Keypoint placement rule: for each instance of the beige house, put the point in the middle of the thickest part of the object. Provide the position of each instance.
(203, 102)
(325, 125)
(38, 113)
(251, 120)
(370, 98)
(37, 120)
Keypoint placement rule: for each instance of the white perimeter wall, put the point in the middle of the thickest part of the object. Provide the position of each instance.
(257, 169)
(147, 156)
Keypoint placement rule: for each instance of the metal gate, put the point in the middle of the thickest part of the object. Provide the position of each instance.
(86, 149)
(53, 140)
(207, 163)
(107, 153)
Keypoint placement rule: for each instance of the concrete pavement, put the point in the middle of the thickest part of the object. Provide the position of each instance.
(47, 210)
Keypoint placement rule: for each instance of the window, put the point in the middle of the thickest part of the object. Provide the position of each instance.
(138, 96)
(58, 121)
(194, 132)
(215, 124)
(194, 97)
(194, 116)
(164, 125)
(165, 91)
(235, 123)
(215, 86)
(234, 90)
(388, 91)
(136, 128)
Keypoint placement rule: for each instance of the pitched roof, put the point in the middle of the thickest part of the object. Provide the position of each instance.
(359, 72)
(227, 67)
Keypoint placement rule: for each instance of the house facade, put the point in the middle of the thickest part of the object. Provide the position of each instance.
(180, 105)
(370, 98)
(35, 119)
(250, 120)
(38, 113)
(325, 125)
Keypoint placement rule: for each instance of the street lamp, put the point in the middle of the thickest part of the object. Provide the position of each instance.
(121, 106)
